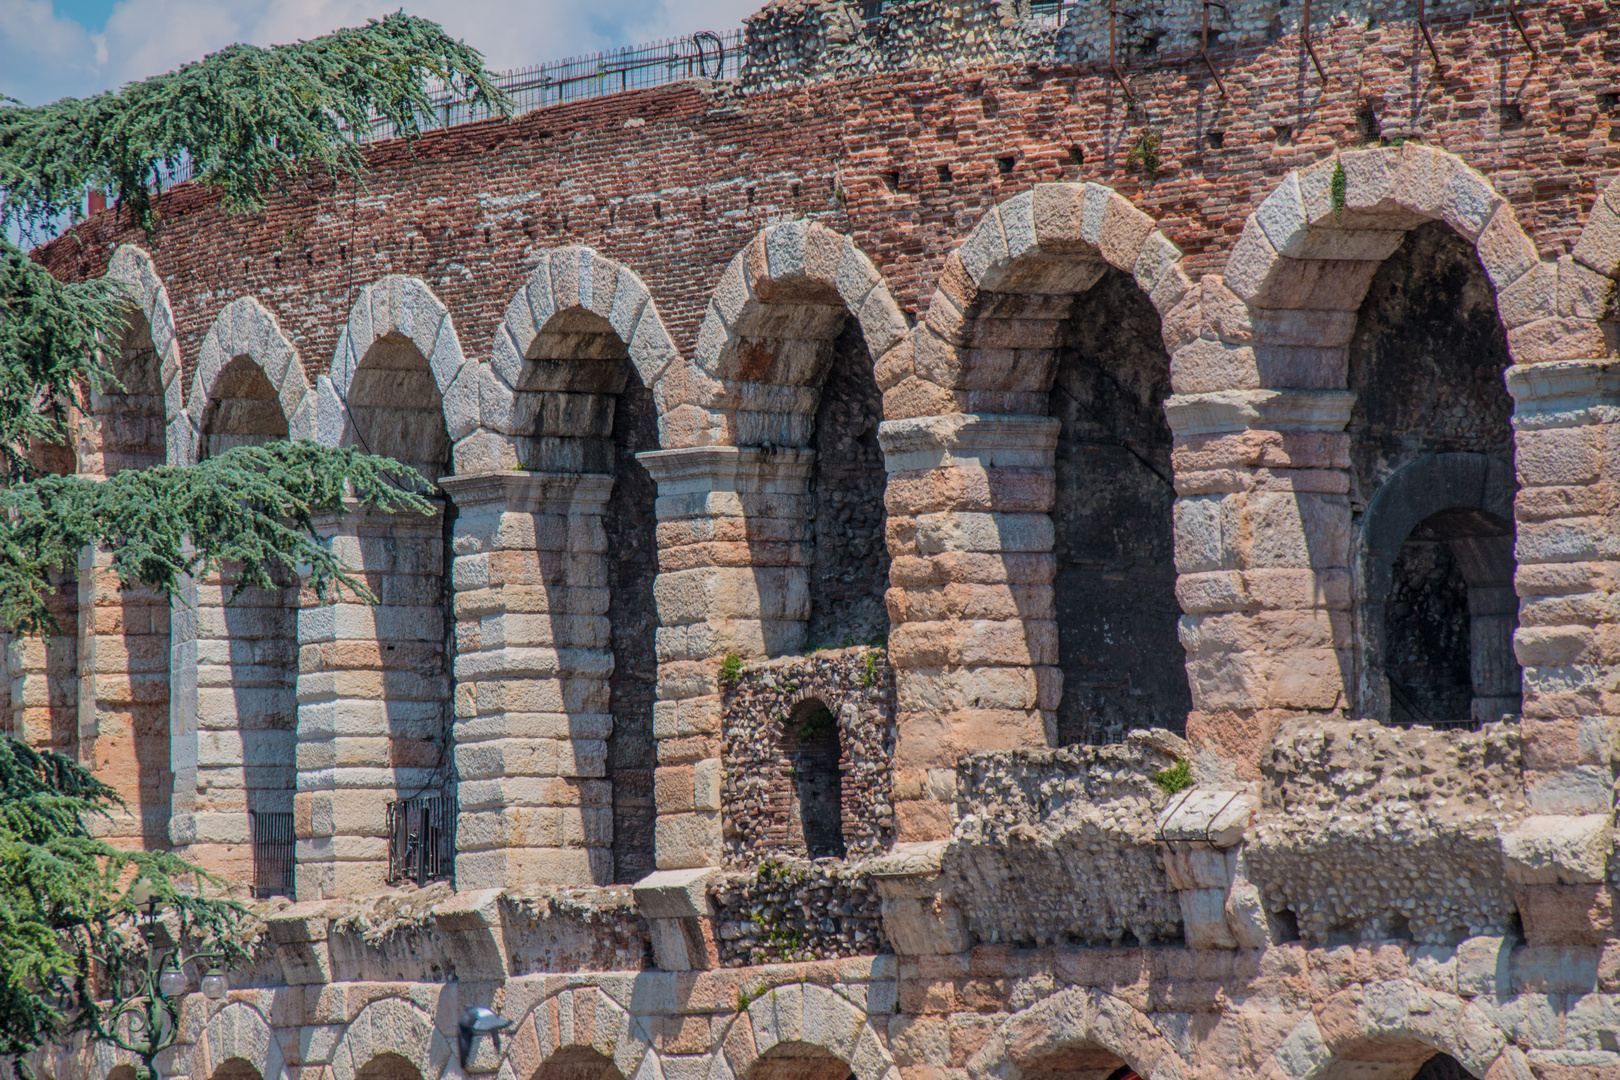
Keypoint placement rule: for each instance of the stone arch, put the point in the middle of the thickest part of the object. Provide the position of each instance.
(391, 1026)
(801, 1016)
(1055, 240)
(1076, 1019)
(248, 332)
(568, 279)
(404, 311)
(1045, 346)
(1598, 248)
(582, 1018)
(1386, 1031)
(793, 284)
(135, 269)
(1300, 254)
(234, 729)
(237, 1032)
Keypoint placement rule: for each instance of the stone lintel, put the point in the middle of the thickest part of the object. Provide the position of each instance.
(1222, 411)
(521, 491)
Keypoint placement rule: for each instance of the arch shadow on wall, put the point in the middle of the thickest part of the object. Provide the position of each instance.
(1082, 1031)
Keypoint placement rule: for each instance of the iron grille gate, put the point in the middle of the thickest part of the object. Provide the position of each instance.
(272, 837)
(422, 839)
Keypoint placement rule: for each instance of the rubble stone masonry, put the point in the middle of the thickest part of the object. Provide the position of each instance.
(998, 544)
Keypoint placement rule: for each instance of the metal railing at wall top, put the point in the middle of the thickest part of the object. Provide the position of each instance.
(272, 839)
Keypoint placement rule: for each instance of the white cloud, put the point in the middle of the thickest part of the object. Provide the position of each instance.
(43, 56)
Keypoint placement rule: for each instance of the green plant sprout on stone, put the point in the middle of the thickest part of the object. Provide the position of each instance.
(869, 664)
(1176, 778)
(817, 724)
(1336, 189)
(1145, 153)
(730, 669)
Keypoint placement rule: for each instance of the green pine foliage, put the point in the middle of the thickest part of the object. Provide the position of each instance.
(66, 916)
(245, 118)
(247, 121)
(250, 509)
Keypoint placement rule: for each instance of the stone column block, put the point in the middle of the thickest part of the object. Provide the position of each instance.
(732, 580)
(972, 636)
(533, 657)
(373, 694)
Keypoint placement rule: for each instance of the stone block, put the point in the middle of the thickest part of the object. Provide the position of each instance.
(1217, 818)
(1203, 919)
(674, 894)
(1566, 914)
(1558, 849)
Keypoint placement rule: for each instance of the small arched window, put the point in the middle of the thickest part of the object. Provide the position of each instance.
(815, 752)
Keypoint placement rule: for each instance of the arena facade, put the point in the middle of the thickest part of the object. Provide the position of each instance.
(979, 549)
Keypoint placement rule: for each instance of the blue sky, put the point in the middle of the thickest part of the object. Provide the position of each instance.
(55, 48)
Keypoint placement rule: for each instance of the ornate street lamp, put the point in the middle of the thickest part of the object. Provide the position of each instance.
(150, 1018)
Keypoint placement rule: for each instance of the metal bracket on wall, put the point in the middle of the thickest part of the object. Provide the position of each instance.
(1423, 25)
(1518, 24)
(1113, 61)
(1204, 49)
(1305, 39)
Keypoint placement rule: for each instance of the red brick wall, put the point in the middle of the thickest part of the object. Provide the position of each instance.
(693, 176)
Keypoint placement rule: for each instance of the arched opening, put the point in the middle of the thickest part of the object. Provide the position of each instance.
(388, 1067)
(850, 571)
(1083, 1062)
(395, 409)
(236, 1069)
(1431, 450)
(799, 1061)
(579, 1063)
(243, 409)
(247, 672)
(1112, 516)
(1394, 1059)
(588, 411)
(124, 629)
(1443, 1067)
(814, 753)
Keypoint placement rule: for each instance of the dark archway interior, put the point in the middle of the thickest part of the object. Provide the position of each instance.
(578, 1063)
(1078, 1063)
(851, 569)
(632, 567)
(236, 1069)
(243, 409)
(1426, 363)
(810, 741)
(1451, 587)
(592, 413)
(1123, 665)
(388, 1067)
(1443, 1067)
(799, 1061)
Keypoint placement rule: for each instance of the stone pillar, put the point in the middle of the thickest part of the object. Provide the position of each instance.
(732, 580)
(1567, 455)
(242, 732)
(1263, 562)
(42, 669)
(123, 699)
(533, 657)
(372, 697)
(973, 636)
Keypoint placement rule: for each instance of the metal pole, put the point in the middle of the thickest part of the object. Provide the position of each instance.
(1305, 37)
(1204, 46)
(1113, 55)
(1423, 25)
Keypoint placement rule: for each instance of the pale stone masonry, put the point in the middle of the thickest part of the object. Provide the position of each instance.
(1354, 334)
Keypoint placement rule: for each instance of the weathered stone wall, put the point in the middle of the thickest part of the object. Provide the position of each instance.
(767, 714)
(1329, 897)
(787, 910)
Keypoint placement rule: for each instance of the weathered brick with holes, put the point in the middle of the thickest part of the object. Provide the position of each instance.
(1315, 372)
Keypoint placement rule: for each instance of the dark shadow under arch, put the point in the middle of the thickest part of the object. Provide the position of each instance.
(577, 1063)
(388, 1067)
(799, 1061)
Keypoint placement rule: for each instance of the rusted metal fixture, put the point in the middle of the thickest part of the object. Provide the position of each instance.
(1204, 46)
(1305, 39)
